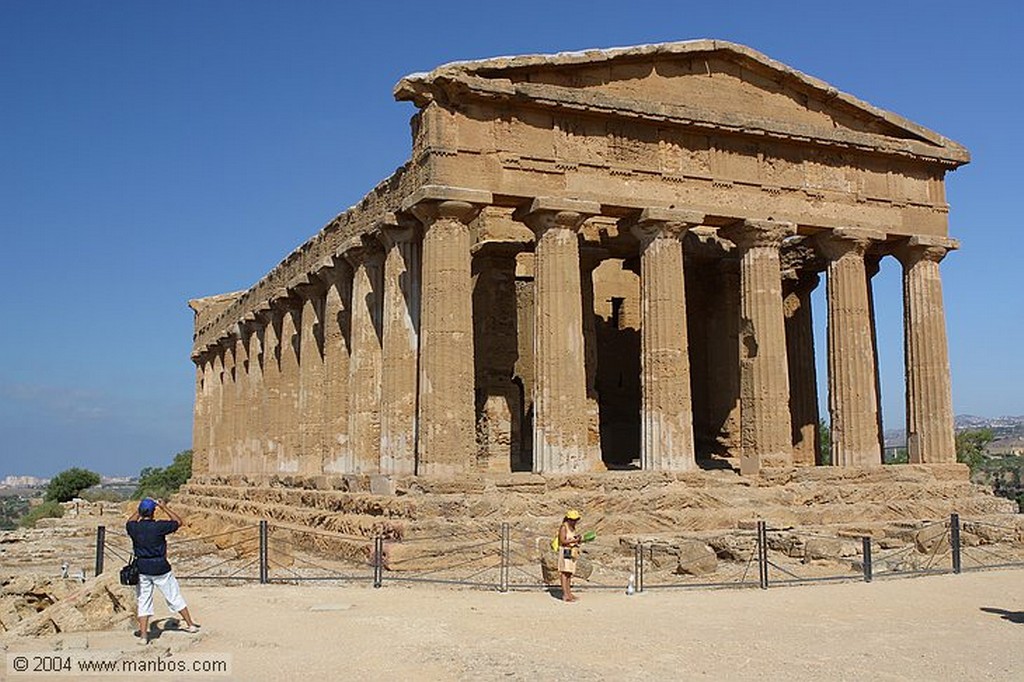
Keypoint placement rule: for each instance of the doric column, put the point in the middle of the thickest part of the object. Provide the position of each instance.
(217, 413)
(366, 257)
(872, 266)
(724, 357)
(590, 259)
(930, 437)
(239, 402)
(803, 381)
(666, 412)
(400, 346)
(288, 402)
(201, 416)
(337, 274)
(496, 342)
(765, 436)
(853, 403)
(311, 378)
(226, 429)
(255, 401)
(270, 317)
(446, 442)
(560, 389)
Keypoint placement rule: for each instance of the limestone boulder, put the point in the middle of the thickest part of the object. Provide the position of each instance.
(696, 558)
(816, 549)
(932, 540)
(33, 606)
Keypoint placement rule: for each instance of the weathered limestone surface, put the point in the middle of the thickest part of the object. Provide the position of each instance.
(400, 348)
(803, 388)
(559, 403)
(447, 424)
(365, 365)
(929, 392)
(853, 401)
(311, 382)
(288, 397)
(255, 401)
(765, 436)
(596, 260)
(337, 343)
(666, 441)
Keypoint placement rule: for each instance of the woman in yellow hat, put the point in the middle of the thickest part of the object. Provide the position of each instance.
(568, 552)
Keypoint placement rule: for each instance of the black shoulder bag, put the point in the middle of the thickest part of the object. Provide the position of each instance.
(130, 572)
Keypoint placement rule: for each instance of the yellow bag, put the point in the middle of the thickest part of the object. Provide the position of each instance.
(554, 544)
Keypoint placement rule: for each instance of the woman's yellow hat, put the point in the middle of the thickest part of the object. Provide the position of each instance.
(572, 514)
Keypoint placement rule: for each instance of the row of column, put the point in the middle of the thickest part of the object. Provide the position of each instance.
(367, 365)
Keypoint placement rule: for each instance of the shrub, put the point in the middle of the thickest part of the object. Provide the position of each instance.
(68, 484)
(161, 483)
(50, 509)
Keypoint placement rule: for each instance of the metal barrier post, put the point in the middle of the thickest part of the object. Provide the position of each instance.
(638, 567)
(954, 540)
(378, 561)
(505, 558)
(866, 543)
(101, 539)
(762, 554)
(264, 553)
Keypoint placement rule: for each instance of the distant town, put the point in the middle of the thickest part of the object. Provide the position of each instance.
(9, 482)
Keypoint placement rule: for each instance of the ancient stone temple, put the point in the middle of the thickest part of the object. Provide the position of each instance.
(595, 260)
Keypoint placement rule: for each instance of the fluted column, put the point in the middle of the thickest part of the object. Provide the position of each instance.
(239, 395)
(724, 357)
(446, 443)
(765, 434)
(201, 417)
(560, 389)
(930, 437)
(271, 317)
(255, 403)
(853, 403)
(872, 266)
(400, 346)
(366, 257)
(311, 379)
(217, 422)
(803, 380)
(496, 342)
(666, 413)
(337, 335)
(288, 403)
(590, 259)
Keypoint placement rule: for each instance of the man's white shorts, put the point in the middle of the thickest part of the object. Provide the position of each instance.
(168, 586)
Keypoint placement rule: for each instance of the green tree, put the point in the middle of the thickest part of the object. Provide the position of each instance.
(971, 445)
(157, 482)
(67, 484)
(898, 456)
(824, 442)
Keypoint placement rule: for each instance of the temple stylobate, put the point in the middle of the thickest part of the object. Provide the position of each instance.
(595, 260)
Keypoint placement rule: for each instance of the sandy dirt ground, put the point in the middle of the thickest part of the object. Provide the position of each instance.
(950, 627)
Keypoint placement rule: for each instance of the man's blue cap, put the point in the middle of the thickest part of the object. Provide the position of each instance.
(147, 506)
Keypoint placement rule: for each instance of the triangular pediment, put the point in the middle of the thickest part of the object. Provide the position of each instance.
(707, 82)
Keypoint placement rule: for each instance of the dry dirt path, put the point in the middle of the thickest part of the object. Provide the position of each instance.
(955, 627)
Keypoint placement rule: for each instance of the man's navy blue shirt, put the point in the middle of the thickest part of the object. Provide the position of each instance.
(150, 544)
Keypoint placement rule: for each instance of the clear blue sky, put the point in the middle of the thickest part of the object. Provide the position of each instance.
(154, 152)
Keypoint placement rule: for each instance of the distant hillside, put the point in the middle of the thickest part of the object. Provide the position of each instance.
(1003, 428)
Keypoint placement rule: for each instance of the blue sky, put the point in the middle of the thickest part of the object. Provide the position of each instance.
(155, 152)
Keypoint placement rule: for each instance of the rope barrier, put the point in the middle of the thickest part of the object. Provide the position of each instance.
(1007, 561)
(187, 540)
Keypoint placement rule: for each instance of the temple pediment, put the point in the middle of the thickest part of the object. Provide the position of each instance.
(697, 84)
